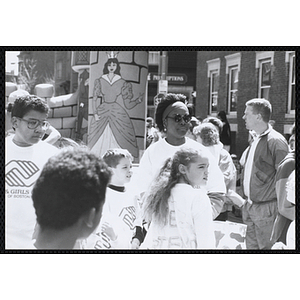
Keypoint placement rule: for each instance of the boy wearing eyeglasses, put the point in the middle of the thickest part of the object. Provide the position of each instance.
(25, 156)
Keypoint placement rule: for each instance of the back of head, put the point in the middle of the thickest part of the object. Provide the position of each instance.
(24, 104)
(168, 100)
(71, 183)
(208, 134)
(112, 157)
(215, 121)
(262, 107)
(222, 116)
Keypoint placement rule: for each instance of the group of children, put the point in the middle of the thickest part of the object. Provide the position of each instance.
(174, 213)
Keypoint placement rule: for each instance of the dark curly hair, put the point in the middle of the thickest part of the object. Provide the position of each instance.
(169, 99)
(22, 105)
(71, 183)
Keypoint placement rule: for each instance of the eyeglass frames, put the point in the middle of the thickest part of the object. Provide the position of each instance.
(178, 118)
(33, 124)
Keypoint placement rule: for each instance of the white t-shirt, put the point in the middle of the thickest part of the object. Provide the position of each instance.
(121, 210)
(155, 156)
(190, 223)
(23, 166)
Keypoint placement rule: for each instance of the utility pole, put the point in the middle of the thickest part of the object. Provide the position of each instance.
(163, 71)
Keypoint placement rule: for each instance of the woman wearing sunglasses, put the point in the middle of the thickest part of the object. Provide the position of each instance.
(172, 117)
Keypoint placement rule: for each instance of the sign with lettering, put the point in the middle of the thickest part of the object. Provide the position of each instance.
(172, 78)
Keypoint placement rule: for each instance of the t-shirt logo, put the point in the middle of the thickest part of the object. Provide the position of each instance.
(20, 173)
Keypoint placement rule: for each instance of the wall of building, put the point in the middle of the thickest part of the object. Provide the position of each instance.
(247, 89)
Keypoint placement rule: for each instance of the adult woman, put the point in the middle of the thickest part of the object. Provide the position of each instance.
(111, 126)
(172, 117)
(225, 135)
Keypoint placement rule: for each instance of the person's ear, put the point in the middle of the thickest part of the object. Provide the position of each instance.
(111, 170)
(90, 217)
(182, 169)
(14, 122)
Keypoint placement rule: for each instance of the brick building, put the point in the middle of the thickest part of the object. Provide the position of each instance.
(227, 79)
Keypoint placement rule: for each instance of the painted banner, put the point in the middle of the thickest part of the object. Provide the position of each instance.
(117, 101)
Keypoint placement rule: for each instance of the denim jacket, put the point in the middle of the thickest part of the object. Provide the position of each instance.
(270, 151)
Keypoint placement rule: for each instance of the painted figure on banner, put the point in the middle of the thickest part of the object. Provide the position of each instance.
(113, 96)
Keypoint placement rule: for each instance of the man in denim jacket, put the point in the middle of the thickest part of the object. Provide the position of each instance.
(266, 151)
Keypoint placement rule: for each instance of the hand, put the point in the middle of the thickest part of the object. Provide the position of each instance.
(135, 244)
(140, 98)
(109, 231)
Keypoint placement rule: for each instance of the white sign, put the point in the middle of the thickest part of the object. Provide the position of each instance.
(163, 86)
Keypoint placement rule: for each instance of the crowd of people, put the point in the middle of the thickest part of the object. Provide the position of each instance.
(63, 196)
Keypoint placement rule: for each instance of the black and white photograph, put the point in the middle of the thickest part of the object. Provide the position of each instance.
(149, 150)
(116, 149)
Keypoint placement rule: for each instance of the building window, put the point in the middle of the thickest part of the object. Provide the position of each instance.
(291, 100)
(214, 86)
(233, 88)
(154, 58)
(264, 79)
(264, 63)
(59, 69)
(233, 63)
(213, 71)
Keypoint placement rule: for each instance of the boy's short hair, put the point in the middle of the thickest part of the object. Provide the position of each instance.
(24, 104)
(112, 157)
(71, 183)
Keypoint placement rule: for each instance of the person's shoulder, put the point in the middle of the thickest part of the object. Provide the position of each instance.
(190, 143)
(225, 155)
(275, 135)
(8, 138)
(155, 146)
(46, 148)
(276, 139)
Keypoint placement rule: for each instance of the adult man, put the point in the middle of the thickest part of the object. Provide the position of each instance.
(25, 156)
(68, 198)
(263, 156)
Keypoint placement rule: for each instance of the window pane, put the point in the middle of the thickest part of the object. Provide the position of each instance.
(234, 79)
(293, 74)
(266, 74)
(214, 83)
(293, 98)
(265, 93)
(233, 100)
(214, 102)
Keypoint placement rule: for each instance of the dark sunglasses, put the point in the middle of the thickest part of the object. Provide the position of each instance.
(178, 118)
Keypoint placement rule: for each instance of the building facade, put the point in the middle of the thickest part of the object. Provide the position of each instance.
(226, 80)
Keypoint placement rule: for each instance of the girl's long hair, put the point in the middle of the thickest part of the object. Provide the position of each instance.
(156, 201)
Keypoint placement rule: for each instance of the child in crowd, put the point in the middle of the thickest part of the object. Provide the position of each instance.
(176, 208)
(25, 156)
(68, 198)
(208, 135)
(117, 229)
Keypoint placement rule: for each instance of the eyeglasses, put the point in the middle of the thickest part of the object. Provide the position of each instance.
(178, 118)
(33, 124)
